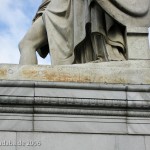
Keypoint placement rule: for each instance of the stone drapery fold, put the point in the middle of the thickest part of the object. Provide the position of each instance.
(80, 31)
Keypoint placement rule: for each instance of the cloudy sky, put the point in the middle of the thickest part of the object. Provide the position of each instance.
(15, 19)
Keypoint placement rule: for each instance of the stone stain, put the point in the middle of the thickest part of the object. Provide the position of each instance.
(147, 81)
(64, 76)
(29, 73)
(3, 73)
(49, 75)
(112, 79)
(84, 74)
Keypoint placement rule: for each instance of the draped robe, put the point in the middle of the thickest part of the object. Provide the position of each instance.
(79, 31)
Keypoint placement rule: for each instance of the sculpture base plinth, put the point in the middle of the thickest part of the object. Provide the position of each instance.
(82, 112)
(117, 72)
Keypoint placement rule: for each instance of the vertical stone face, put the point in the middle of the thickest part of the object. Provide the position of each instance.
(57, 141)
(8, 140)
(115, 72)
(28, 91)
(80, 124)
(104, 94)
(16, 122)
(136, 52)
(131, 143)
(137, 43)
(68, 141)
(147, 142)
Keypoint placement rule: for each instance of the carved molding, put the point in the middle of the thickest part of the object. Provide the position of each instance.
(74, 106)
(73, 85)
(76, 102)
(73, 111)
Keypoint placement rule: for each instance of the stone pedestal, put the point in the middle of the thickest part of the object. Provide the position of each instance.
(87, 107)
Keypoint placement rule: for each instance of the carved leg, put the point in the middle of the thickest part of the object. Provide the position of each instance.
(33, 40)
